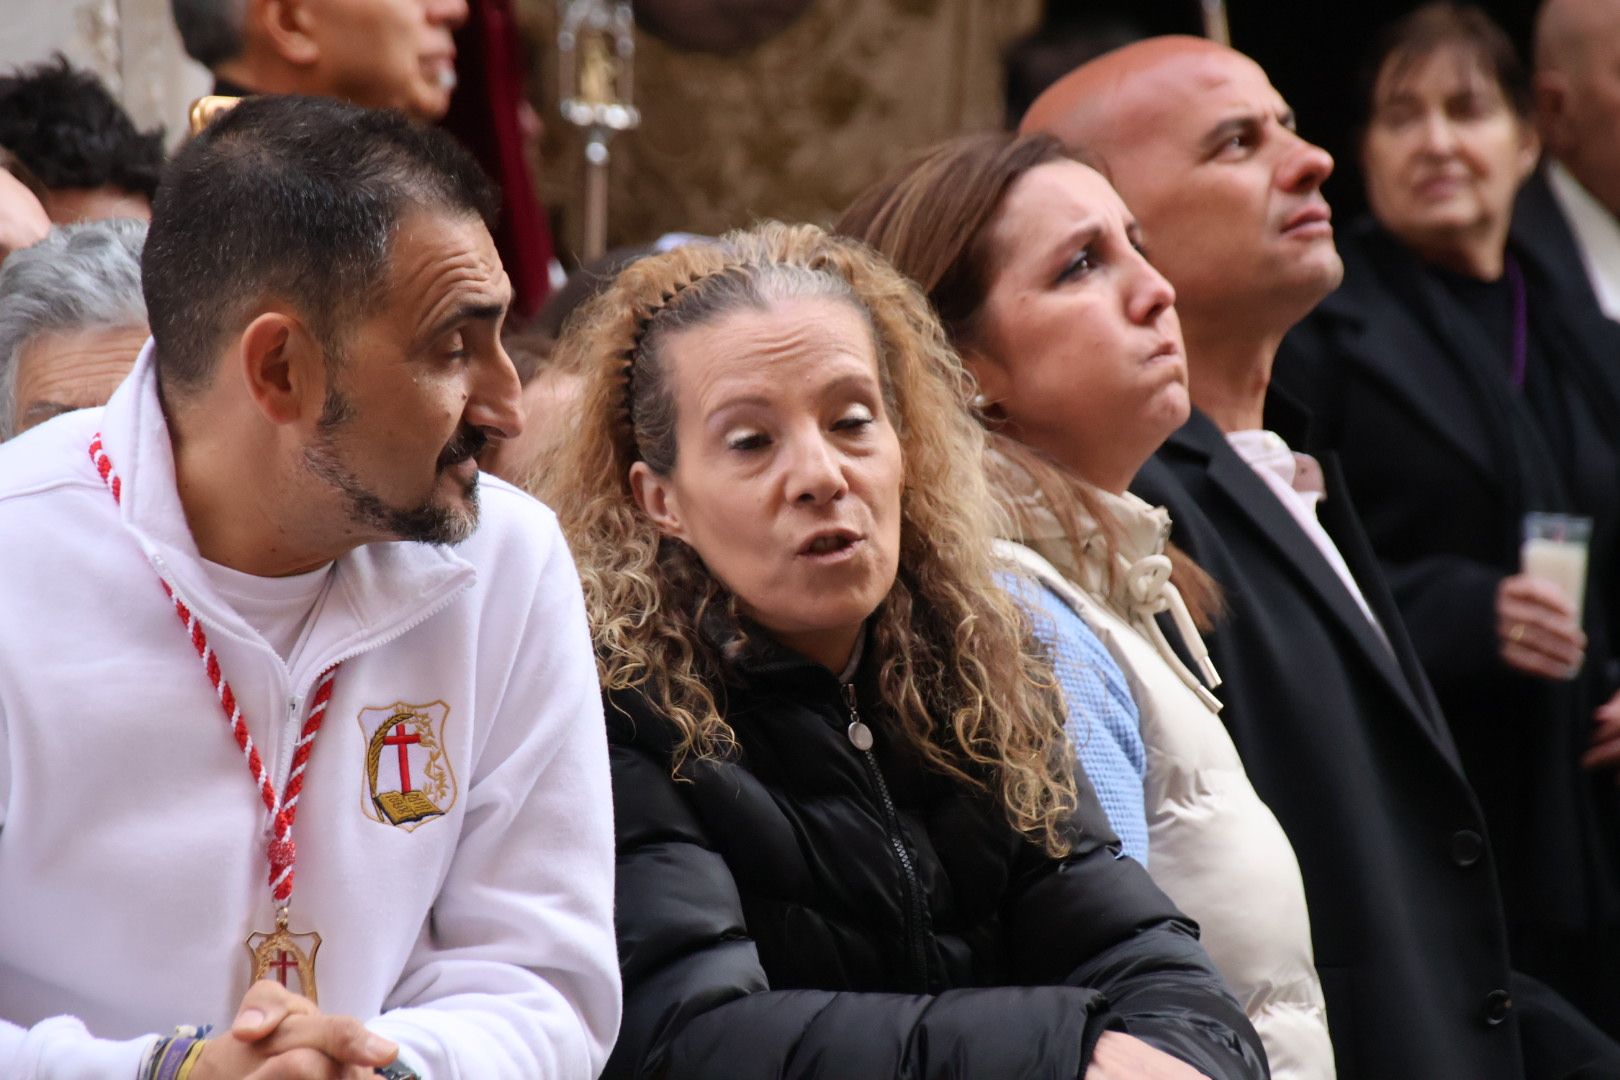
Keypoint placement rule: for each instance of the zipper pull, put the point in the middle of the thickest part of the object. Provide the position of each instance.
(858, 733)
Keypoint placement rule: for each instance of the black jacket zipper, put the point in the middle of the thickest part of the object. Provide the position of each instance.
(915, 913)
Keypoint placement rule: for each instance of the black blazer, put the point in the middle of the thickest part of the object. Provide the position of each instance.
(1444, 459)
(1540, 228)
(1343, 739)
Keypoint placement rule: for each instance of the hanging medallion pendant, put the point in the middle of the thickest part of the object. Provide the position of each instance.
(286, 957)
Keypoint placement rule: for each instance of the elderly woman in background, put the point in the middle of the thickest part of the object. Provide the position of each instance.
(846, 812)
(72, 319)
(1034, 266)
(1462, 392)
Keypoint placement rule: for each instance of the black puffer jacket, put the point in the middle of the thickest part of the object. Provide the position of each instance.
(810, 910)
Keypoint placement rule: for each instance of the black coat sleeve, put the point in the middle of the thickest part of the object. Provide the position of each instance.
(1124, 938)
(1449, 604)
(698, 1003)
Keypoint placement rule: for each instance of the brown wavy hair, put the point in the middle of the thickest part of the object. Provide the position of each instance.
(932, 218)
(967, 687)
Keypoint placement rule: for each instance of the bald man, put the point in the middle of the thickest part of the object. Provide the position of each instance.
(1326, 700)
(1570, 212)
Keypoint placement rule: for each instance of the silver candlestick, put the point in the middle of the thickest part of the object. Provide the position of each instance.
(596, 47)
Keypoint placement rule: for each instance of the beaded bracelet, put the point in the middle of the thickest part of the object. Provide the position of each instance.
(189, 1061)
(172, 1056)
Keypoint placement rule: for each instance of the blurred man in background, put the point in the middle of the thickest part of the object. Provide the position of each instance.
(396, 54)
(1570, 211)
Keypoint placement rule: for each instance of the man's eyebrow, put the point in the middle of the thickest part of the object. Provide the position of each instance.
(477, 311)
(1226, 129)
(1247, 124)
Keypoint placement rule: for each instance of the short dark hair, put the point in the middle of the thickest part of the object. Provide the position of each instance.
(69, 131)
(297, 198)
(1440, 25)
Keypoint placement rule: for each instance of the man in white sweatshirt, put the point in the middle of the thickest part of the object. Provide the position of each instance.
(300, 735)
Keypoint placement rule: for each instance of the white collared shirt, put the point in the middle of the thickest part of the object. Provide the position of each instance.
(1597, 235)
(1297, 481)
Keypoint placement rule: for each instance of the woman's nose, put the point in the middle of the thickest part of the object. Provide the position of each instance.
(1151, 295)
(816, 472)
(1437, 134)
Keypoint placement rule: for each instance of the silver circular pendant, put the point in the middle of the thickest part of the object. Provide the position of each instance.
(860, 735)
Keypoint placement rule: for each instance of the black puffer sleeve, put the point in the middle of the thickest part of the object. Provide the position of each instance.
(698, 1003)
(1095, 921)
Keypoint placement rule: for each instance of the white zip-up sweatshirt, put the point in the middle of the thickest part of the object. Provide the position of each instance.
(476, 932)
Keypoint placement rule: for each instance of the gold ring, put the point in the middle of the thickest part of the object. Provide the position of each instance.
(1516, 633)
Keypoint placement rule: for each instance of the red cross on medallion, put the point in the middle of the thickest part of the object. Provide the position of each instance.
(404, 740)
(281, 963)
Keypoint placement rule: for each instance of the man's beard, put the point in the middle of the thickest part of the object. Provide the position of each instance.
(431, 521)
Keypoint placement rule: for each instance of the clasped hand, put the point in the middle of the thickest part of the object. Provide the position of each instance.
(1123, 1057)
(279, 1035)
(1539, 636)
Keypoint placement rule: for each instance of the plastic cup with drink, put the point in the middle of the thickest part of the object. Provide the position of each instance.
(1554, 550)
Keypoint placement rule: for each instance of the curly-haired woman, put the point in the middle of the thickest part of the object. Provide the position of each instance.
(846, 811)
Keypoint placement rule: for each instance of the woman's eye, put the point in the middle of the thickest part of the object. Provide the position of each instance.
(854, 421)
(748, 440)
(1079, 266)
(1396, 117)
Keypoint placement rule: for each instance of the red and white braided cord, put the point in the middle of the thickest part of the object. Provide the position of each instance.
(283, 808)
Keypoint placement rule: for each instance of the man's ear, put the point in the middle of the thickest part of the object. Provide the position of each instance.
(656, 496)
(1551, 95)
(287, 27)
(283, 367)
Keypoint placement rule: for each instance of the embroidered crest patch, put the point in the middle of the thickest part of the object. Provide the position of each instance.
(408, 775)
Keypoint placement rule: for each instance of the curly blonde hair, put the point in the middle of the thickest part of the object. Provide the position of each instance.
(958, 669)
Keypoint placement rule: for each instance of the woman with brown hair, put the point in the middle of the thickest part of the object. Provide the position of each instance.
(1034, 266)
(847, 819)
